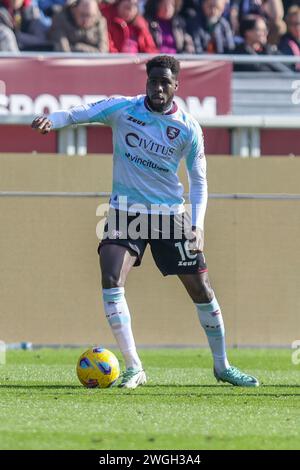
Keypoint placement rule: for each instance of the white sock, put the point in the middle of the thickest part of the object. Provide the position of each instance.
(118, 316)
(211, 319)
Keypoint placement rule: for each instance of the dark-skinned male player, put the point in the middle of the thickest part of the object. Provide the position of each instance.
(151, 134)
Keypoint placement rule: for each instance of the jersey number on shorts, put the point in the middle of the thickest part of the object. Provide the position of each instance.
(184, 251)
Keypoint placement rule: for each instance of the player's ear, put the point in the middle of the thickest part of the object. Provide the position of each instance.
(176, 85)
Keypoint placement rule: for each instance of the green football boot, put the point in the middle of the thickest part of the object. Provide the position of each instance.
(234, 376)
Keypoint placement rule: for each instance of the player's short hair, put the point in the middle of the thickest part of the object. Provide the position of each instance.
(165, 62)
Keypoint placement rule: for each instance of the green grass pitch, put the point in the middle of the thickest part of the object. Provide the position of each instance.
(43, 406)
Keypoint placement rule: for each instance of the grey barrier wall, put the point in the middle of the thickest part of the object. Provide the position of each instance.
(50, 281)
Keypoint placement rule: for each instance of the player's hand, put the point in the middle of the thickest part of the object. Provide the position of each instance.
(196, 241)
(42, 124)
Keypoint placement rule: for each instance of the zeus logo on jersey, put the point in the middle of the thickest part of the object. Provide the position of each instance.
(136, 121)
(133, 140)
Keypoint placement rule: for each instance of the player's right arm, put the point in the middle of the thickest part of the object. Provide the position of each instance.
(63, 118)
(104, 111)
(42, 124)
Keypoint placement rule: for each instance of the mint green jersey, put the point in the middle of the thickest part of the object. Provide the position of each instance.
(147, 149)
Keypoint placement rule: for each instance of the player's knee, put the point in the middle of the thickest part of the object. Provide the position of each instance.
(203, 297)
(111, 280)
(203, 293)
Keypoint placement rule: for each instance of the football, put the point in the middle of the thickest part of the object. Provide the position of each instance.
(98, 367)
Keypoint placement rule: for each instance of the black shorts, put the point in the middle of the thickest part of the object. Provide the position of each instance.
(166, 235)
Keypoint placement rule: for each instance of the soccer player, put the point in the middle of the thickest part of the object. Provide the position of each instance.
(150, 137)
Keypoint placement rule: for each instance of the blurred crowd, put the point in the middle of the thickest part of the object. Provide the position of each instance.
(253, 27)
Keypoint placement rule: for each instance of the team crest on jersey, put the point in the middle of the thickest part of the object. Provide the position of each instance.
(172, 132)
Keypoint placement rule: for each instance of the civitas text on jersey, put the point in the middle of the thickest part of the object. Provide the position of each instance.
(134, 140)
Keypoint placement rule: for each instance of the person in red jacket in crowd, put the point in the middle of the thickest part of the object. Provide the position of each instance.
(128, 30)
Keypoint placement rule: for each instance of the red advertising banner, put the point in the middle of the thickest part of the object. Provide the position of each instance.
(44, 84)
(56, 81)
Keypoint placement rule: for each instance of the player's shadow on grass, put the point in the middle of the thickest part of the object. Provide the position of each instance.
(150, 390)
(231, 391)
(46, 387)
(263, 385)
(214, 395)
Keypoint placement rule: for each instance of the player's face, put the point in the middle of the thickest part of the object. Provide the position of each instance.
(161, 87)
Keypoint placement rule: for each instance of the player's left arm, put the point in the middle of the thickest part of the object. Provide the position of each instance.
(198, 193)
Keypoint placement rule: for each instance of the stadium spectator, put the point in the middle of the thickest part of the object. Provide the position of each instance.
(167, 27)
(290, 42)
(128, 30)
(79, 27)
(274, 13)
(210, 31)
(287, 4)
(190, 8)
(254, 32)
(241, 8)
(28, 26)
(271, 10)
(8, 40)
